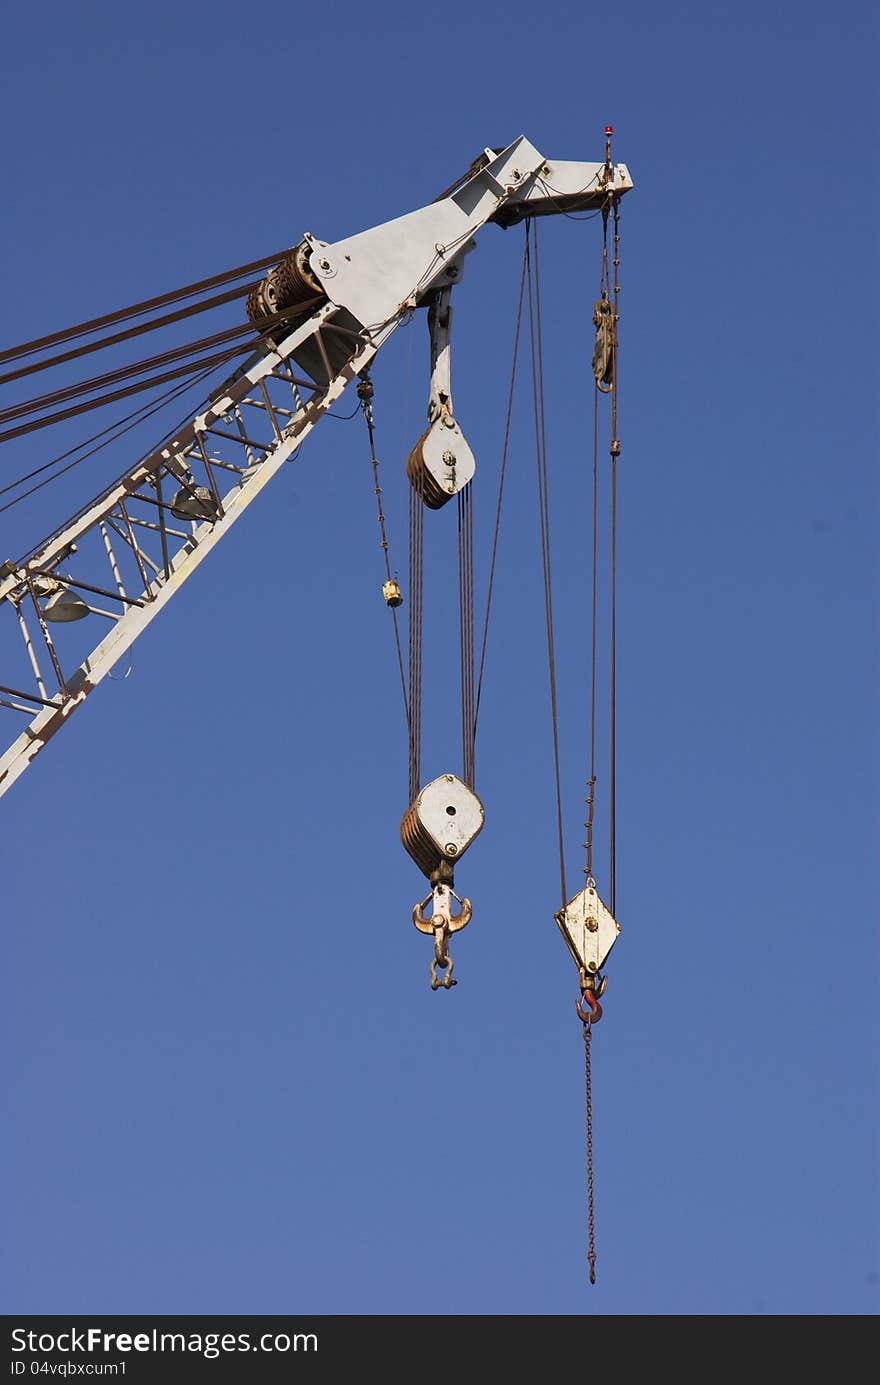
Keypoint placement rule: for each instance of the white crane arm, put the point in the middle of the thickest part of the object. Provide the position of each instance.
(122, 558)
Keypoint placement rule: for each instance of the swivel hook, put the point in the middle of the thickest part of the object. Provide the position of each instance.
(441, 923)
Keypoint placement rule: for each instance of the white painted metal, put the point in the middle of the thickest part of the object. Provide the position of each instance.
(375, 278)
(563, 183)
(440, 328)
(375, 273)
(450, 814)
(589, 929)
(203, 539)
(443, 914)
(446, 456)
(443, 462)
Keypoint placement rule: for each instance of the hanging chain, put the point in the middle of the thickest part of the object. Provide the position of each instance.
(591, 1214)
(589, 1008)
(605, 371)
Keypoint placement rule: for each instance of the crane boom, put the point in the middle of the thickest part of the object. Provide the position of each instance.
(133, 547)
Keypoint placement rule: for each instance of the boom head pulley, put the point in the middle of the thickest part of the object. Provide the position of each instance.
(441, 464)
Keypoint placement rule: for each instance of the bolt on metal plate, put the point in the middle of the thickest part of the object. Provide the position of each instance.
(589, 929)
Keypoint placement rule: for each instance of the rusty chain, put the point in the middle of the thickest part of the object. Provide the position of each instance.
(589, 1013)
(591, 1218)
(605, 318)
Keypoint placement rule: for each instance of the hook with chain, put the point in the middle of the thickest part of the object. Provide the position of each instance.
(589, 1013)
(588, 1008)
(590, 930)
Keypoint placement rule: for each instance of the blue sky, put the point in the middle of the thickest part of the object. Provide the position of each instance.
(228, 1087)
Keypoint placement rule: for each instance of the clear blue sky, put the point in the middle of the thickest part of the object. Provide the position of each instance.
(227, 1086)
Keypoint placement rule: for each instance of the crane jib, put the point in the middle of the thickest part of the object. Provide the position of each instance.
(139, 540)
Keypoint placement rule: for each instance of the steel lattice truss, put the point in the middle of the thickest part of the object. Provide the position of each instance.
(129, 551)
(134, 547)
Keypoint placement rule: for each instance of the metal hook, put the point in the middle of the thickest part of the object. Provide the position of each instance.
(425, 924)
(593, 1013)
(441, 923)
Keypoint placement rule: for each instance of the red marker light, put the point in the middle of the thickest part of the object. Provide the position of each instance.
(609, 129)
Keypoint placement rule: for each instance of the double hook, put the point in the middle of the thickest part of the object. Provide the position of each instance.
(441, 923)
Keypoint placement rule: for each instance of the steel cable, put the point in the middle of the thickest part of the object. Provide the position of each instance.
(615, 453)
(416, 569)
(365, 396)
(466, 628)
(537, 358)
(166, 320)
(122, 373)
(205, 362)
(591, 783)
(115, 430)
(137, 309)
(504, 452)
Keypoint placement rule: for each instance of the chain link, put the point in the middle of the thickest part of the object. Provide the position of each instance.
(591, 1218)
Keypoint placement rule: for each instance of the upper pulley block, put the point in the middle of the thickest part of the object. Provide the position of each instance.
(441, 463)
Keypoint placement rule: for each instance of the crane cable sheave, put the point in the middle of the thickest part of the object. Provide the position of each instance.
(346, 298)
(412, 262)
(445, 818)
(441, 464)
(439, 826)
(590, 931)
(322, 314)
(401, 264)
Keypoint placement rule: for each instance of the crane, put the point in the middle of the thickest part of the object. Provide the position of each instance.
(132, 547)
(323, 312)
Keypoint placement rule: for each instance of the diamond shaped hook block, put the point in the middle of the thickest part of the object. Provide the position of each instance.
(589, 929)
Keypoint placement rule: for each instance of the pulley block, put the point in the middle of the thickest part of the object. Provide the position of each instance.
(441, 824)
(606, 343)
(441, 464)
(589, 929)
